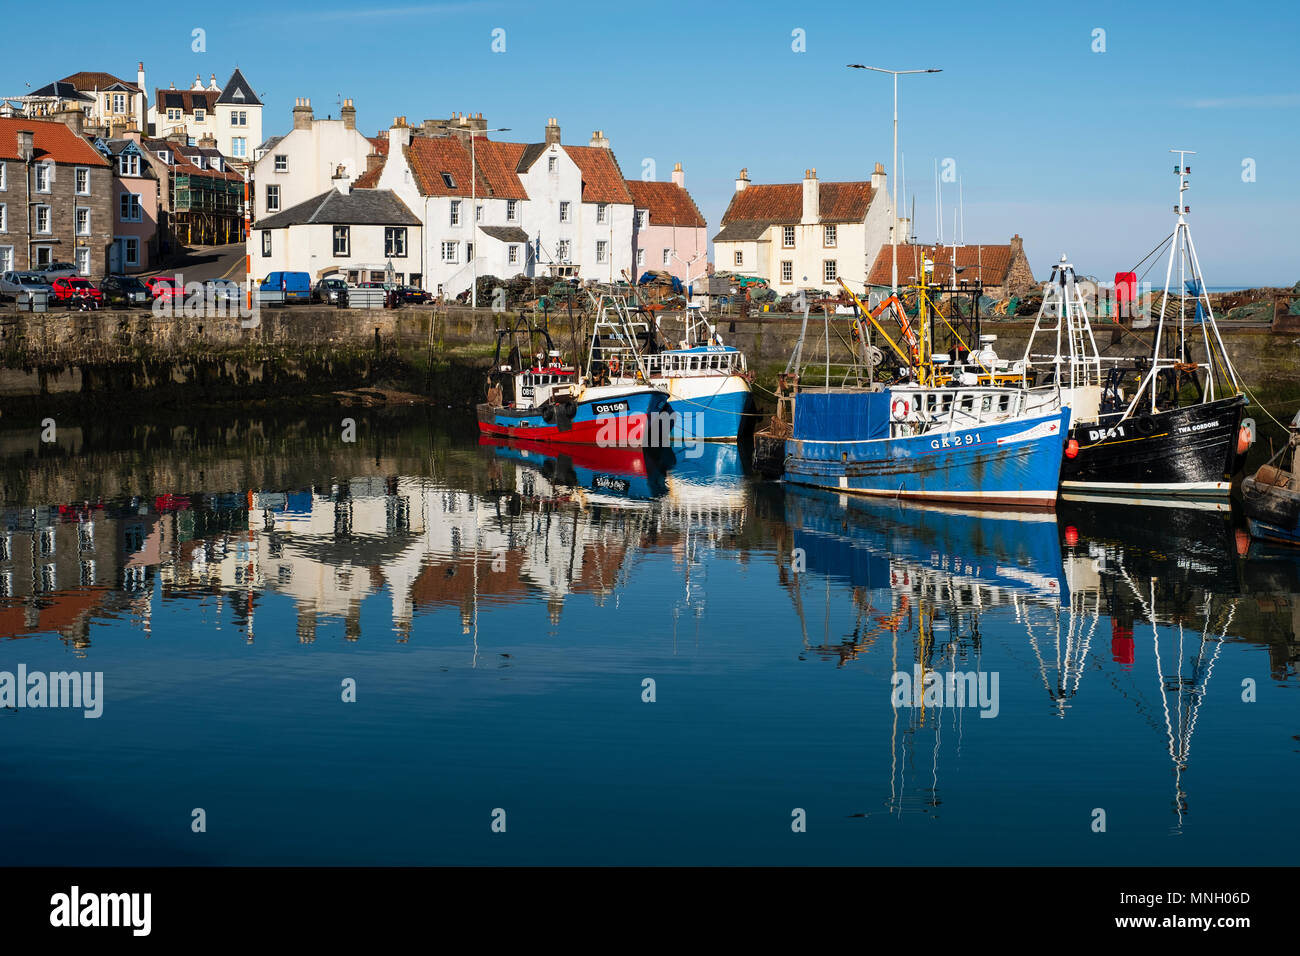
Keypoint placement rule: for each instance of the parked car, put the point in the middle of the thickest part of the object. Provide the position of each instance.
(124, 290)
(296, 286)
(164, 287)
(327, 289)
(409, 293)
(58, 270)
(68, 290)
(13, 283)
(223, 290)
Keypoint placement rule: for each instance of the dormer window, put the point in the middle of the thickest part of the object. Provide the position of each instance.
(448, 181)
(128, 164)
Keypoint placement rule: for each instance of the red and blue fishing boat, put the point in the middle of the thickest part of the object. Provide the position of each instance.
(543, 398)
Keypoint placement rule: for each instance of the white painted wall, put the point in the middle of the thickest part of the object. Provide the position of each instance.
(313, 156)
(310, 248)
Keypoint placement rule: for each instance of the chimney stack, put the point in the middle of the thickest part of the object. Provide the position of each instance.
(73, 118)
(679, 177)
(373, 161)
(349, 115)
(742, 180)
(399, 135)
(212, 82)
(198, 82)
(598, 139)
(302, 114)
(26, 147)
(878, 178)
(811, 198)
(552, 131)
(143, 102)
(1017, 245)
(341, 180)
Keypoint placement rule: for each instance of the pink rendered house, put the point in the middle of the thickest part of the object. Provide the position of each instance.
(669, 233)
(135, 205)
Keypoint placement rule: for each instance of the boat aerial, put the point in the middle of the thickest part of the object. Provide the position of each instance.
(550, 401)
(1169, 424)
(707, 381)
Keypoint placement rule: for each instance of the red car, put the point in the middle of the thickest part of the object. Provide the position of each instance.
(68, 289)
(164, 287)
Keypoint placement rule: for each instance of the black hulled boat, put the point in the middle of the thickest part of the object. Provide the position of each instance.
(1168, 424)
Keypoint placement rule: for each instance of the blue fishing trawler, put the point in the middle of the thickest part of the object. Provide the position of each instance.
(942, 444)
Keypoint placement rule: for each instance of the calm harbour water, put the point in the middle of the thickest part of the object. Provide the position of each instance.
(499, 610)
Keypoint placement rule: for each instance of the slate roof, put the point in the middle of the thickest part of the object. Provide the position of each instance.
(602, 180)
(237, 92)
(361, 207)
(744, 231)
(185, 100)
(783, 203)
(63, 90)
(529, 156)
(667, 203)
(505, 233)
(98, 81)
(989, 263)
(52, 141)
(271, 143)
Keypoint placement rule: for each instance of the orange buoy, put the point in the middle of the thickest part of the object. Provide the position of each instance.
(1072, 448)
(1245, 438)
(1071, 535)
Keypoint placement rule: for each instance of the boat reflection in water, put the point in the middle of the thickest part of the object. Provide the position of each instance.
(508, 600)
(1165, 582)
(921, 578)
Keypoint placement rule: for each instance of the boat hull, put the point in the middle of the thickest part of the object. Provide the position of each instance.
(1272, 512)
(1190, 451)
(1014, 462)
(709, 408)
(606, 417)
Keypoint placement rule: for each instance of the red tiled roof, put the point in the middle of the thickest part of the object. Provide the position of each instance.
(370, 178)
(989, 263)
(783, 203)
(53, 141)
(602, 181)
(668, 203)
(380, 143)
(431, 156)
(496, 168)
(97, 81)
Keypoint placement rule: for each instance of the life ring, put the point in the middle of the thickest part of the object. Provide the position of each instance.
(614, 366)
(899, 409)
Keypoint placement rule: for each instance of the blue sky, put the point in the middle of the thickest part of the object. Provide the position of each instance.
(1062, 144)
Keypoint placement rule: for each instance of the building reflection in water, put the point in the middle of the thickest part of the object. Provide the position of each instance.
(534, 534)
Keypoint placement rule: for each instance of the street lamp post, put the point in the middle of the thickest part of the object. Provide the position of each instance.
(893, 224)
(473, 203)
